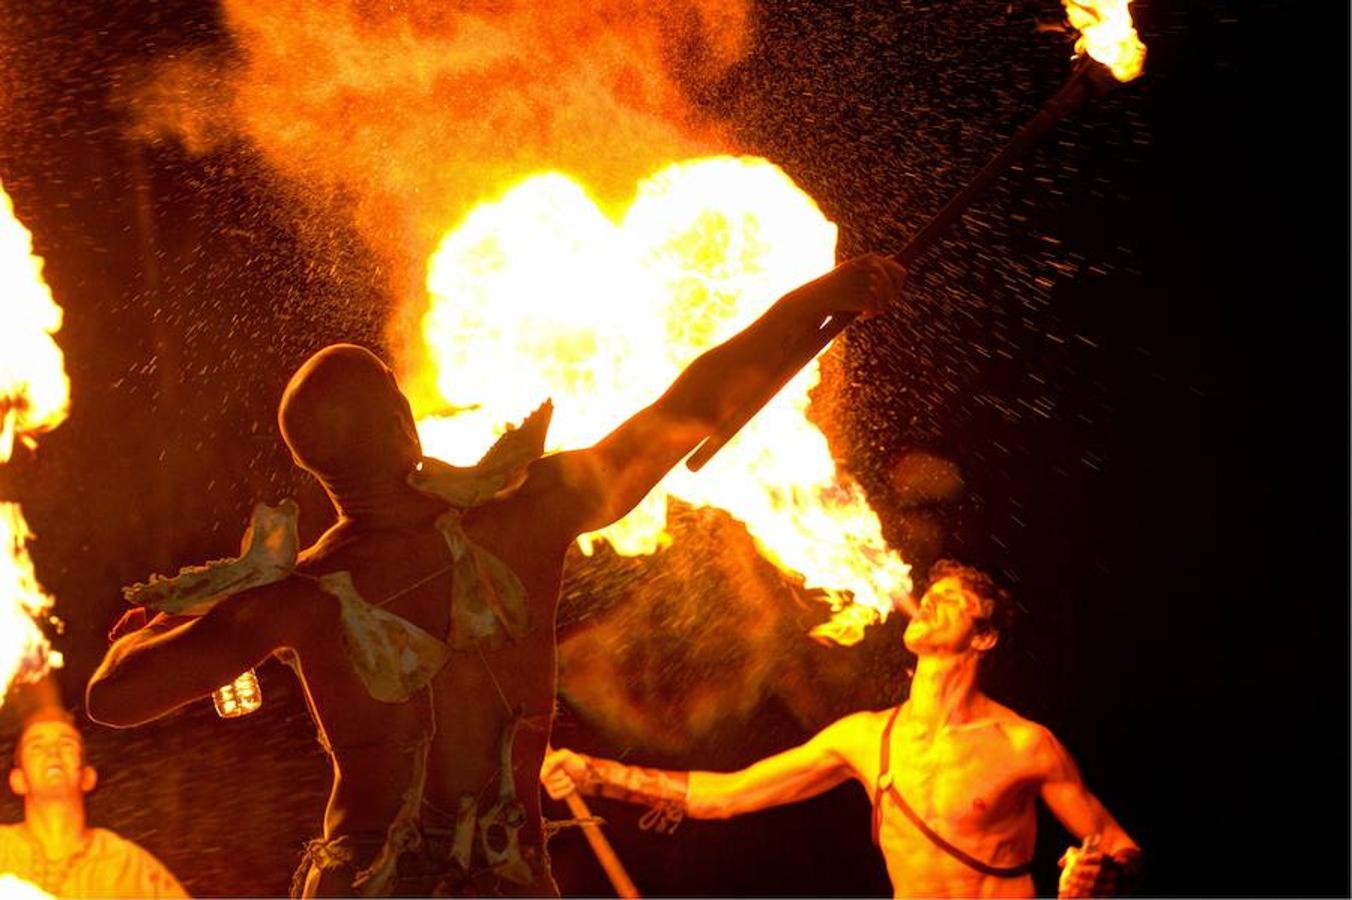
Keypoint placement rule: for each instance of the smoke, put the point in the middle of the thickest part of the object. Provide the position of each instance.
(403, 115)
(699, 641)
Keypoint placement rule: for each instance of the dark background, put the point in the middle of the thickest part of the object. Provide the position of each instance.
(1135, 352)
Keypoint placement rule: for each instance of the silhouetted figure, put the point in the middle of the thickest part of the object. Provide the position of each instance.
(422, 623)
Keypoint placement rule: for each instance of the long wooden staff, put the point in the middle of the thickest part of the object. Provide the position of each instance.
(1088, 79)
(605, 854)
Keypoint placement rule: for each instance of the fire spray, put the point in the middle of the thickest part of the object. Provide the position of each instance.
(1110, 52)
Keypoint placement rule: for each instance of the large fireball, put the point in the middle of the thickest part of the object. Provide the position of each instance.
(541, 293)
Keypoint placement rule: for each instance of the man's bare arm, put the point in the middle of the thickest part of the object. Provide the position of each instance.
(796, 774)
(176, 660)
(610, 478)
(1117, 857)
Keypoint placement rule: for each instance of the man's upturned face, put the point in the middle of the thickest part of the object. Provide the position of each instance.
(51, 759)
(947, 620)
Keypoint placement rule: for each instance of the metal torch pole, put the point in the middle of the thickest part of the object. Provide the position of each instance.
(1088, 79)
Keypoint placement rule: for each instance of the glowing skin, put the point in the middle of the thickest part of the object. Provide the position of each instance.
(54, 846)
(53, 779)
(346, 421)
(971, 768)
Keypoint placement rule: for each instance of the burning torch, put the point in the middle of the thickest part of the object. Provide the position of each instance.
(1107, 52)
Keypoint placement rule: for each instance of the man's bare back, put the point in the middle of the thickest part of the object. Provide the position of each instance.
(420, 778)
(465, 713)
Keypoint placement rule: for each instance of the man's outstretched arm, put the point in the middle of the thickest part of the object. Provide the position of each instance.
(610, 478)
(175, 660)
(796, 774)
(1114, 864)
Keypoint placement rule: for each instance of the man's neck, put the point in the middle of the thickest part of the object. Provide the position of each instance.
(389, 502)
(943, 690)
(57, 826)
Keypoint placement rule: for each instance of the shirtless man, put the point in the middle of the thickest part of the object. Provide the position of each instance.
(418, 699)
(953, 775)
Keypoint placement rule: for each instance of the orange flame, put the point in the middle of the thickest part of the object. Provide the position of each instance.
(405, 115)
(542, 294)
(1107, 35)
(34, 391)
(12, 887)
(34, 396)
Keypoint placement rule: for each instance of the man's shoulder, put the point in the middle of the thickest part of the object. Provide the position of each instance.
(106, 838)
(153, 878)
(1009, 718)
(869, 719)
(1027, 738)
(571, 478)
(865, 726)
(16, 853)
(106, 842)
(558, 491)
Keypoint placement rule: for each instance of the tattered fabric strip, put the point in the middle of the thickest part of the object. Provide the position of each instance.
(393, 657)
(269, 551)
(488, 600)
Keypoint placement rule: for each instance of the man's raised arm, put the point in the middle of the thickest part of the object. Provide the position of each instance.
(610, 478)
(796, 774)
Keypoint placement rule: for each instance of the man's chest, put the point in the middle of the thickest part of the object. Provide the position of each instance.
(968, 776)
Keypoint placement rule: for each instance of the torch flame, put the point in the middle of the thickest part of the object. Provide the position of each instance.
(541, 294)
(34, 397)
(1107, 35)
(34, 390)
(12, 887)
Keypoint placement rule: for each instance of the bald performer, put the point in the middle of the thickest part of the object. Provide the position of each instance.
(422, 623)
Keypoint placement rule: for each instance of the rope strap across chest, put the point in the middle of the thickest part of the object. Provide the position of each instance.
(886, 787)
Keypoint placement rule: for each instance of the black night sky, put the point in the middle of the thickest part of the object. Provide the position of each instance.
(1134, 351)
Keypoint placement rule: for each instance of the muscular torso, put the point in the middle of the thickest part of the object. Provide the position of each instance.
(466, 708)
(975, 784)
